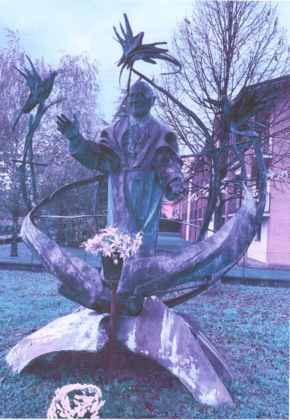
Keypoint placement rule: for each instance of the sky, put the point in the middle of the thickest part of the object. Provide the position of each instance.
(47, 27)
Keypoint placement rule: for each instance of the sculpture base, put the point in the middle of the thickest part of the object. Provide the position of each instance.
(173, 339)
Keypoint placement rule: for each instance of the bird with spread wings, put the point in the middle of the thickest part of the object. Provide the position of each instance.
(39, 89)
(134, 50)
(239, 113)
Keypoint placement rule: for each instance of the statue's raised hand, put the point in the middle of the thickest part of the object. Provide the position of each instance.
(68, 128)
(178, 186)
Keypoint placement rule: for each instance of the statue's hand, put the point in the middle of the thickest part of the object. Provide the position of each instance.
(68, 128)
(178, 186)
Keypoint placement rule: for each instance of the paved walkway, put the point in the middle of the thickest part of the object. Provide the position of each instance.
(263, 276)
(258, 276)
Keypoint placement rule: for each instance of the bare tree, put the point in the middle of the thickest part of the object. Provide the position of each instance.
(11, 143)
(77, 80)
(225, 46)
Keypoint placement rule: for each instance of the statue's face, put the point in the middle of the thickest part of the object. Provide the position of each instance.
(139, 104)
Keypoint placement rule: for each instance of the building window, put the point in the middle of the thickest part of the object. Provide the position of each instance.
(258, 234)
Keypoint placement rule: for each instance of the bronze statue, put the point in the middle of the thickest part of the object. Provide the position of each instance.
(141, 157)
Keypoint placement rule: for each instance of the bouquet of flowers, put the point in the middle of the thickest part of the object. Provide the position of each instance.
(111, 244)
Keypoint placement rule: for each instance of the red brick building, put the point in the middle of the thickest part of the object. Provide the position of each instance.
(271, 245)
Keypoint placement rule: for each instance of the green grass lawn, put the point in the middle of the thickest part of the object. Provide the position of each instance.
(249, 325)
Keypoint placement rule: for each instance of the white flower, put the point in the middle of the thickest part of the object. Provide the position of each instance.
(124, 253)
(109, 243)
(86, 405)
(127, 239)
(110, 230)
(107, 250)
(139, 235)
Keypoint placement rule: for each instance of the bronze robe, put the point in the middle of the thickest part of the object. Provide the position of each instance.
(139, 174)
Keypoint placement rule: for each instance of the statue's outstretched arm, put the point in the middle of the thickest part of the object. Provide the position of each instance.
(87, 152)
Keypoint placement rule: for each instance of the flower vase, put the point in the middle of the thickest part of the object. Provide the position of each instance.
(112, 271)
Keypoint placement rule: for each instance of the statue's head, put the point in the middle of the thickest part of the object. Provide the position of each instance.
(141, 99)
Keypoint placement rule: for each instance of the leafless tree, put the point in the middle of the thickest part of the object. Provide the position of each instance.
(224, 46)
(77, 81)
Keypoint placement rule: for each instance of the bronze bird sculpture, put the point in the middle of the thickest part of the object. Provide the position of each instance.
(245, 106)
(39, 89)
(239, 112)
(134, 50)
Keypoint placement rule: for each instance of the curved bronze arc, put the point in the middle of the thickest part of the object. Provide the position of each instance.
(79, 280)
(213, 256)
(81, 330)
(195, 361)
(64, 189)
(257, 220)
